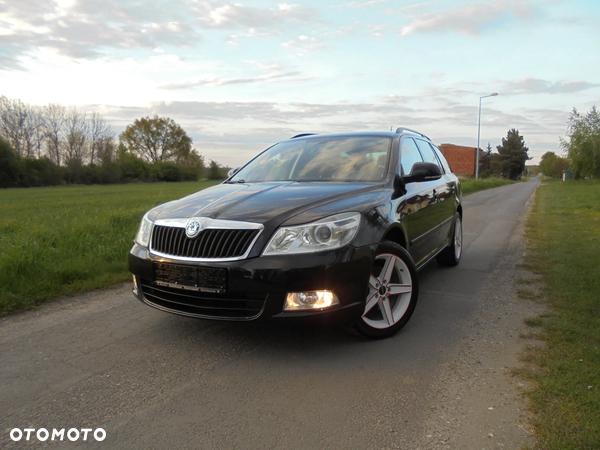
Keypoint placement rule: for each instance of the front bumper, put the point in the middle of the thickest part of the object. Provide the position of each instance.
(256, 287)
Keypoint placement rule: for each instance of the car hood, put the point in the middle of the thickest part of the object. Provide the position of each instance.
(260, 202)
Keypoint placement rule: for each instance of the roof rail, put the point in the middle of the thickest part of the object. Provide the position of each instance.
(302, 135)
(402, 130)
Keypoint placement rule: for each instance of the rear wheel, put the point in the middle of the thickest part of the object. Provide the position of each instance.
(392, 294)
(450, 256)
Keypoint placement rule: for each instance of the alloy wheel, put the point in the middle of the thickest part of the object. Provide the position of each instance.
(390, 292)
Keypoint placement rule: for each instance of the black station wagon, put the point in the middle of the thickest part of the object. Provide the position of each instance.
(334, 225)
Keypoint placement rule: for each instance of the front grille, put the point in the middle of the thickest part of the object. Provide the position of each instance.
(209, 243)
(200, 304)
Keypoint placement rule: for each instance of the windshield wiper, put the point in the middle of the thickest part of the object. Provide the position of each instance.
(235, 181)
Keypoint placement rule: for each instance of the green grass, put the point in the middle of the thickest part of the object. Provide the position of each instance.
(58, 241)
(564, 236)
(471, 186)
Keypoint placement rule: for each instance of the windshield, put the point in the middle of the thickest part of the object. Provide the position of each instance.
(356, 158)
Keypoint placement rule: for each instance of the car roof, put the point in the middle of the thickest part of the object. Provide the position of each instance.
(389, 134)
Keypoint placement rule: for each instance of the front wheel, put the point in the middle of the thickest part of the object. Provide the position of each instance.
(392, 294)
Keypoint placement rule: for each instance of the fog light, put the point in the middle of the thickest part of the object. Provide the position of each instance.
(296, 301)
(135, 286)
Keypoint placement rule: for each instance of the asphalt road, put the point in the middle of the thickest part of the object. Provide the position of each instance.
(157, 381)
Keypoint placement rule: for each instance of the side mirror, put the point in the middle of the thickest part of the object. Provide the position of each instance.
(232, 172)
(423, 171)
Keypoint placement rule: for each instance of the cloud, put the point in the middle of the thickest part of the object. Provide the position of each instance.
(215, 81)
(252, 33)
(216, 14)
(294, 114)
(467, 20)
(304, 44)
(538, 86)
(271, 72)
(90, 28)
(376, 30)
(357, 5)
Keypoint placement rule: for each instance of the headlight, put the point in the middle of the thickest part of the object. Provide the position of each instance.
(143, 235)
(325, 234)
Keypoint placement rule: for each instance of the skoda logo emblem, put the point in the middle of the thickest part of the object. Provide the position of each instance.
(193, 228)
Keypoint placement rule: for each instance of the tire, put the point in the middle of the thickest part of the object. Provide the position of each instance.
(392, 293)
(450, 256)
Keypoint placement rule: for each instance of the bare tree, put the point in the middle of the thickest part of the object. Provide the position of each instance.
(99, 133)
(75, 135)
(13, 116)
(63, 134)
(34, 132)
(54, 118)
(106, 149)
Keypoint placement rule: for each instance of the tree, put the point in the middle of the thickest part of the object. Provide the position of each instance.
(552, 165)
(215, 171)
(583, 146)
(106, 151)
(54, 120)
(546, 162)
(511, 157)
(156, 139)
(76, 136)
(485, 162)
(100, 134)
(20, 126)
(190, 163)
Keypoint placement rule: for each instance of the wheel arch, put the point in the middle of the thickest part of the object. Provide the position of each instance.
(398, 235)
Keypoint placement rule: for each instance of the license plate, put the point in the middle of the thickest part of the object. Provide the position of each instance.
(203, 279)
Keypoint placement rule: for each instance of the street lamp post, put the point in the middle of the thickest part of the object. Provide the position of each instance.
(479, 134)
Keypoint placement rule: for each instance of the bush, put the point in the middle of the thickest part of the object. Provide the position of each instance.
(10, 166)
(133, 168)
(41, 172)
(191, 173)
(165, 171)
(16, 171)
(110, 172)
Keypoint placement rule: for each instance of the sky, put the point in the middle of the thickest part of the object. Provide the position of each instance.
(240, 76)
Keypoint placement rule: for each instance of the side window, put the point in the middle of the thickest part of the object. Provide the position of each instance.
(427, 152)
(442, 159)
(409, 155)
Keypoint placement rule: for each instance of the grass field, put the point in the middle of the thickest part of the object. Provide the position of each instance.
(564, 236)
(59, 241)
(471, 186)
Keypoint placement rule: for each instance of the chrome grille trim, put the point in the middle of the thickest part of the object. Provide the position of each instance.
(227, 235)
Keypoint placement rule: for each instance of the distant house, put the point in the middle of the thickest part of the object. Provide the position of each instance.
(461, 159)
